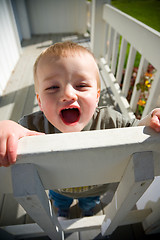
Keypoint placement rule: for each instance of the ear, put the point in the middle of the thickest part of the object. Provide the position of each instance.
(98, 95)
(39, 101)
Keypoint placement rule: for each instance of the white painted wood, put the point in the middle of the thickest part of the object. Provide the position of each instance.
(23, 19)
(110, 46)
(32, 230)
(121, 60)
(95, 222)
(151, 199)
(143, 141)
(25, 230)
(139, 36)
(16, 93)
(91, 234)
(29, 192)
(73, 225)
(9, 43)
(128, 71)
(89, 13)
(22, 93)
(111, 81)
(153, 95)
(136, 33)
(62, 16)
(89, 147)
(115, 52)
(141, 71)
(98, 29)
(136, 179)
(96, 233)
(12, 213)
(136, 216)
(79, 224)
(72, 236)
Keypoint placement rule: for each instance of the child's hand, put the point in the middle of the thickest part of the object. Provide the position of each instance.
(155, 119)
(10, 132)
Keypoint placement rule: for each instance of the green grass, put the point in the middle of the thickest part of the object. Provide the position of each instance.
(137, 58)
(146, 11)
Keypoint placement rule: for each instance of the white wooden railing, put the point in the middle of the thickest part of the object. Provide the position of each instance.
(129, 156)
(108, 25)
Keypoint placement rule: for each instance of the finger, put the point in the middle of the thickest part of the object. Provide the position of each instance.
(3, 157)
(12, 145)
(156, 120)
(34, 133)
(2, 150)
(155, 123)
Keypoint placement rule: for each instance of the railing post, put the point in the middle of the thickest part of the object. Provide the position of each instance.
(98, 28)
(30, 193)
(137, 177)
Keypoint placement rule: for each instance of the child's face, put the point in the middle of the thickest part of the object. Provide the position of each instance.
(67, 90)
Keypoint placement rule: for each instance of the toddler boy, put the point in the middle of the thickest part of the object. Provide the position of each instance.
(67, 87)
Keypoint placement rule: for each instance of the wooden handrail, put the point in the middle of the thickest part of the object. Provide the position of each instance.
(93, 152)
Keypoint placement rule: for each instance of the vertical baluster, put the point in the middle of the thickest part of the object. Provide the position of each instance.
(98, 29)
(121, 60)
(129, 69)
(110, 46)
(137, 177)
(106, 46)
(115, 52)
(30, 193)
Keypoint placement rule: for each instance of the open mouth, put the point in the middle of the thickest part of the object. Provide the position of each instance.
(70, 115)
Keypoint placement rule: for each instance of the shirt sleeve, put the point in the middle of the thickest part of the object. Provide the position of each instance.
(119, 121)
(34, 121)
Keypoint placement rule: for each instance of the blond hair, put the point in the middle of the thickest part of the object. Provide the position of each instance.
(62, 49)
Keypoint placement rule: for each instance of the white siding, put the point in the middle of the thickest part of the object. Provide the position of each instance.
(23, 19)
(9, 43)
(52, 16)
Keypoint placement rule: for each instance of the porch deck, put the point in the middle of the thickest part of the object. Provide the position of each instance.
(18, 100)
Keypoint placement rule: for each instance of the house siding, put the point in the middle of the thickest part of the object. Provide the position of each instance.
(52, 16)
(9, 43)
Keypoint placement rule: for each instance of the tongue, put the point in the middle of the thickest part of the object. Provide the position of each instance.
(70, 115)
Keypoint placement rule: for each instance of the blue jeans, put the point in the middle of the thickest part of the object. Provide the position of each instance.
(63, 202)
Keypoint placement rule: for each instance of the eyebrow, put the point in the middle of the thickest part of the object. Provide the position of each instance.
(51, 77)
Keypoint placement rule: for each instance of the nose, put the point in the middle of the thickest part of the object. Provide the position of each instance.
(69, 93)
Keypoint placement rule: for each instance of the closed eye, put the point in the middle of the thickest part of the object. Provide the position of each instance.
(52, 88)
(82, 86)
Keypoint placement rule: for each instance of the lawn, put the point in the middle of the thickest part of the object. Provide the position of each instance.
(146, 11)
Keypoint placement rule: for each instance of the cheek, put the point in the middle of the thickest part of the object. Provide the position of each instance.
(93, 97)
(44, 103)
(47, 104)
(90, 102)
